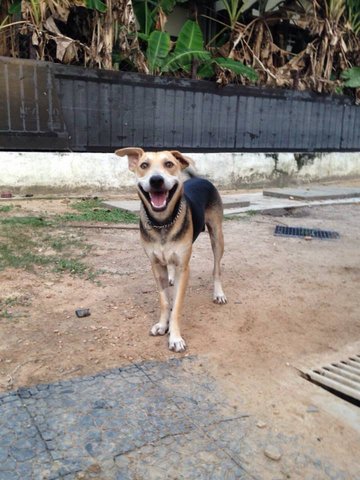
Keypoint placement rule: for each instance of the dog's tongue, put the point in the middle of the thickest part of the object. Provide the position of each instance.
(158, 199)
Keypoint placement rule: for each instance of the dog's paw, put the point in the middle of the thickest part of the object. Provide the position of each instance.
(220, 299)
(158, 329)
(177, 344)
(171, 282)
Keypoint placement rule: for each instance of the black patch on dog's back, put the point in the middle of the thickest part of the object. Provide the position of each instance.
(200, 194)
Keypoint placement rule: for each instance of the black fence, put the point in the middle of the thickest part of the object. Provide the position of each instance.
(47, 106)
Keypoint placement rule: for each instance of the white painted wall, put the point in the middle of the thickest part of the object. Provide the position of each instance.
(46, 172)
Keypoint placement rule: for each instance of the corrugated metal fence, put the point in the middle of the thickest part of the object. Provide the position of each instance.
(56, 107)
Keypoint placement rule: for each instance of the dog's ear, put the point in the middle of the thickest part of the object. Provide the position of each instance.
(184, 161)
(133, 153)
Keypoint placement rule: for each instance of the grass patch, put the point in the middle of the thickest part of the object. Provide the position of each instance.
(7, 304)
(26, 221)
(92, 211)
(70, 265)
(23, 245)
(6, 208)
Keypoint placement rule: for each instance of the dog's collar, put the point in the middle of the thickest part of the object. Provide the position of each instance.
(159, 226)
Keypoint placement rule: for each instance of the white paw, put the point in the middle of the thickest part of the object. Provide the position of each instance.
(220, 299)
(171, 282)
(158, 329)
(177, 344)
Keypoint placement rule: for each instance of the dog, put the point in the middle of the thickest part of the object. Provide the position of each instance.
(173, 213)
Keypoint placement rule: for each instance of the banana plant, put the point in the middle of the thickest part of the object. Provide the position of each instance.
(157, 50)
(351, 77)
(147, 13)
(96, 5)
(189, 47)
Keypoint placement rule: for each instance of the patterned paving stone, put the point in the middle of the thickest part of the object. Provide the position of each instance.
(148, 421)
(189, 456)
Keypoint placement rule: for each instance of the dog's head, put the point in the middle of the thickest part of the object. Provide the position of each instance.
(158, 175)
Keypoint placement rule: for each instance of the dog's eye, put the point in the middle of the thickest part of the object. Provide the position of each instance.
(144, 165)
(169, 164)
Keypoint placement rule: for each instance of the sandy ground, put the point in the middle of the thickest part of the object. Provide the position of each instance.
(289, 302)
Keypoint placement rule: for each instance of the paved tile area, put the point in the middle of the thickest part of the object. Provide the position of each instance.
(147, 421)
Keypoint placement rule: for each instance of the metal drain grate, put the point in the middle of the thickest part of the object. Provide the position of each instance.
(342, 377)
(305, 232)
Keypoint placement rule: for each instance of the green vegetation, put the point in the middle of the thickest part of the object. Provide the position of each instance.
(6, 208)
(92, 211)
(7, 305)
(25, 221)
(33, 242)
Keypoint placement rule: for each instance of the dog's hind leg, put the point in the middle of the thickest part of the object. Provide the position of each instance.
(161, 277)
(214, 225)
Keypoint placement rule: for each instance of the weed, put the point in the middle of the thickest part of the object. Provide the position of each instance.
(70, 265)
(6, 208)
(26, 221)
(7, 304)
(93, 211)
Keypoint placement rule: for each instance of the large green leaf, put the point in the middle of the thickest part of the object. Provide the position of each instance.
(96, 5)
(158, 49)
(190, 38)
(15, 7)
(351, 77)
(167, 5)
(189, 45)
(144, 16)
(237, 67)
(206, 70)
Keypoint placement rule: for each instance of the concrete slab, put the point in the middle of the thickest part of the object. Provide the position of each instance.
(260, 203)
(272, 199)
(230, 201)
(313, 192)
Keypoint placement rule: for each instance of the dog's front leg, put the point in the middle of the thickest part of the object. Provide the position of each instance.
(176, 342)
(162, 281)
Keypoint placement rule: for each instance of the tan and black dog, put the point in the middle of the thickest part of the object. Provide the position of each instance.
(173, 213)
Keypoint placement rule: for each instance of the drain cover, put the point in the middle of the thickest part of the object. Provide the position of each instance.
(342, 377)
(304, 232)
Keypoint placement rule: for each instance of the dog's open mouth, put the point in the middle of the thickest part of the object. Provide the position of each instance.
(159, 199)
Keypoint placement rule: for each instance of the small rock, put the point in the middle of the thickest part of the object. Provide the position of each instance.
(312, 409)
(82, 312)
(261, 424)
(308, 238)
(95, 468)
(272, 452)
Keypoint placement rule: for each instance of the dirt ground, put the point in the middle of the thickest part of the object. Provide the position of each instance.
(289, 301)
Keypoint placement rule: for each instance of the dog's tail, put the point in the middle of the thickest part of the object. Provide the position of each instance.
(190, 171)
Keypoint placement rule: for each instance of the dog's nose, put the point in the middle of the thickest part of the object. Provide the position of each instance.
(156, 181)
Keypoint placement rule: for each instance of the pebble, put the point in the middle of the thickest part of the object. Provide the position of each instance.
(261, 424)
(272, 452)
(312, 409)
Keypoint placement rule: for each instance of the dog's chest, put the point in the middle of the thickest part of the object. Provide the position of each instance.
(167, 254)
